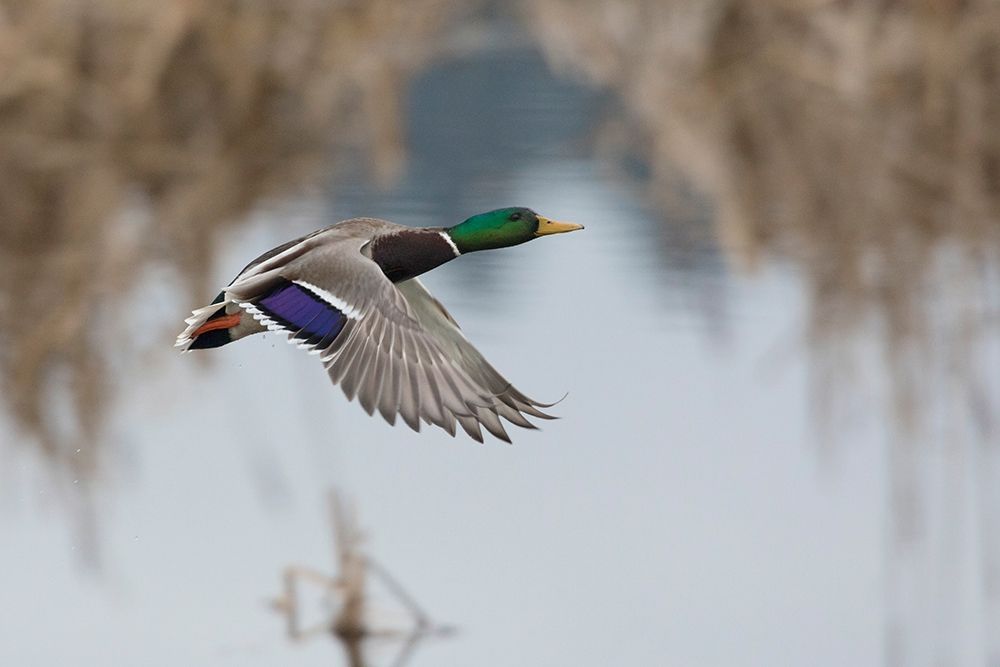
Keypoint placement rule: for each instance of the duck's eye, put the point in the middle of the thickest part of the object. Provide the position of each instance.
(514, 217)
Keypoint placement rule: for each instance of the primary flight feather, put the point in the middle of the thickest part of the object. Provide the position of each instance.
(350, 294)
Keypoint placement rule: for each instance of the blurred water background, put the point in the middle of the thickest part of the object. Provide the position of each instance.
(779, 331)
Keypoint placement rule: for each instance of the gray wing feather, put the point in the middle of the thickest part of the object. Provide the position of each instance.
(508, 402)
(409, 407)
(370, 390)
(388, 400)
(471, 426)
(488, 418)
(357, 366)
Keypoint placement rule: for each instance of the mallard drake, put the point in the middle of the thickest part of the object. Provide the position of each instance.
(350, 294)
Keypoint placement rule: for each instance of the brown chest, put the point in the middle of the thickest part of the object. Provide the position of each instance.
(408, 254)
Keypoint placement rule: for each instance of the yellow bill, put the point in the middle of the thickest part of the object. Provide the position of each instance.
(546, 226)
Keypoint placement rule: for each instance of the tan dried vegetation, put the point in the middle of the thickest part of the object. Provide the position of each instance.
(190, 111)
(858, 139)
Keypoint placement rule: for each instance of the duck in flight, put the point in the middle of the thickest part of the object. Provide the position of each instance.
(350, 294)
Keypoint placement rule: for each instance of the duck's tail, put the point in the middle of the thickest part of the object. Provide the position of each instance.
(209, 326)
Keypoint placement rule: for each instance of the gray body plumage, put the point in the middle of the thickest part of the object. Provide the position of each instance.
(399, 351)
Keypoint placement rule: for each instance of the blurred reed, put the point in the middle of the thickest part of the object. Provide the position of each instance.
(859, 140)
(353, 620)
(188, 112)
(859, 143)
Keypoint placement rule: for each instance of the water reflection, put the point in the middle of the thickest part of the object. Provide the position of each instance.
(353, 620)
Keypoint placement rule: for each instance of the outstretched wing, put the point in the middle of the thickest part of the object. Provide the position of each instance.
(508, 402)
(336, 302)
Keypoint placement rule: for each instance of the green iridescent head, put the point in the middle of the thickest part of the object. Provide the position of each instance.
(504, 227)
